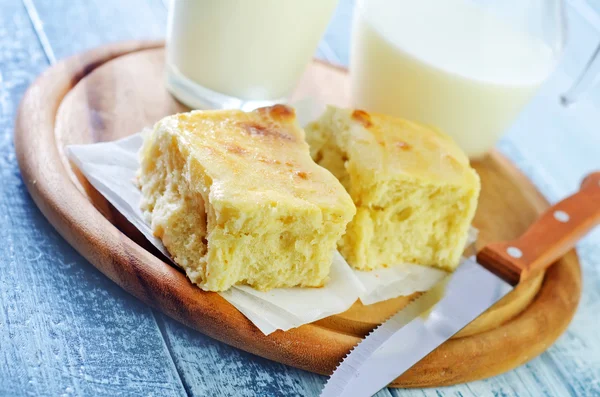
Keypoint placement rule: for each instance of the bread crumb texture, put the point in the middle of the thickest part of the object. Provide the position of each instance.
(413, 187)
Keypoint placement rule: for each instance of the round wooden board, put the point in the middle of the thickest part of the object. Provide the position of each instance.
(116, 90)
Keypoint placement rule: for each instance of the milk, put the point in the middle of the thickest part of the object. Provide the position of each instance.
(254, 50)
(445, 63)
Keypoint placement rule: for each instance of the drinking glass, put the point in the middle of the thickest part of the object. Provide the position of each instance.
(241, 53)
(467, 67)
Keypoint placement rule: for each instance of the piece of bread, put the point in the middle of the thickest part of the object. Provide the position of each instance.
(414, 189)
(236, 198)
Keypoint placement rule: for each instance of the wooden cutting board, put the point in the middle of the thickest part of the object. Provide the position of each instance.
(116, 90)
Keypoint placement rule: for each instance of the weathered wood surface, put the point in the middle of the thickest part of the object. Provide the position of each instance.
(56, 310)
(64, 327)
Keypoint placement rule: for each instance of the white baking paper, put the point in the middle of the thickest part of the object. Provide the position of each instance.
(111, 166)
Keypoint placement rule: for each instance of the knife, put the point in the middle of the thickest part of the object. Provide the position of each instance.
(478, 283)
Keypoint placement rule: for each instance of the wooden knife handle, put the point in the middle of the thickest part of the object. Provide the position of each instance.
(554, 233)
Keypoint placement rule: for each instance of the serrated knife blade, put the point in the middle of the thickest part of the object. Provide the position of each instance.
(476, 285)
(416, 331)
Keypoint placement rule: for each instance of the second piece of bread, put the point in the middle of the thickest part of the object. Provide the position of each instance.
(413, 187)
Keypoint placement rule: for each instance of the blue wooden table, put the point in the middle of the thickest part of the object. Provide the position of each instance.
(66, 330)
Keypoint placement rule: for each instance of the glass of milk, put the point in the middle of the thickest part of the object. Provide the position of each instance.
(241, 53)
(466, 67)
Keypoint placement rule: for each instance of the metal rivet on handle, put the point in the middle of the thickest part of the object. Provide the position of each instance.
(561, 216)
(514, 252)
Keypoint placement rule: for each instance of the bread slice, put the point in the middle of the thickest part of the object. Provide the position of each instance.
(414, 189)
(236, 198)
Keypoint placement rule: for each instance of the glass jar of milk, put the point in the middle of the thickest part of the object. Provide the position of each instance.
(241, 53)
(466, 67)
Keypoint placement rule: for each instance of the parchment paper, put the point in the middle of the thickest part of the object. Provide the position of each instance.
(110, 167)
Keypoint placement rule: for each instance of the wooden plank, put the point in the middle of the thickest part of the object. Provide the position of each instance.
(211, 368)
(75, 26)
(65, 329)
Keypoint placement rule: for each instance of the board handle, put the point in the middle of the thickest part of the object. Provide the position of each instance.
(554, 233)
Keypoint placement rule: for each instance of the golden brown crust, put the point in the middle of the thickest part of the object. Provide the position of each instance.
(279, 112)
(255, 128)
(362, 117)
